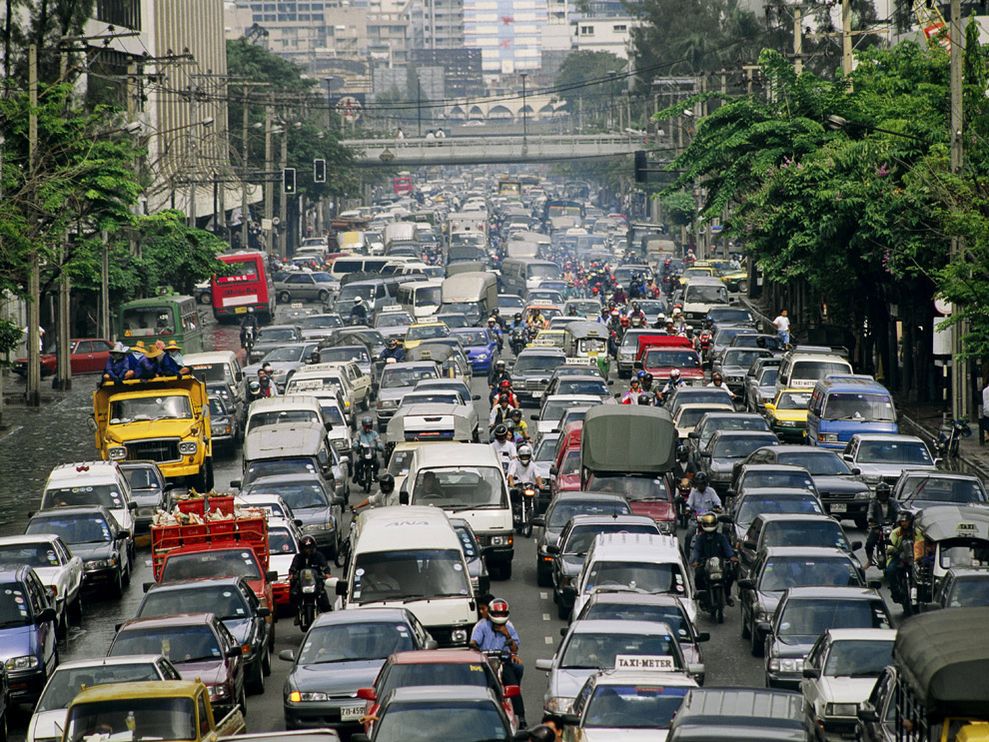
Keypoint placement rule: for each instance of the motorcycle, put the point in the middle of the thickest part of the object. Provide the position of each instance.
(948, 438)
(881, 545)
(248, 342)
(367, 463)
(517, 341)
(715, 593)
(680, 502)
(525, 494)
(308, 599)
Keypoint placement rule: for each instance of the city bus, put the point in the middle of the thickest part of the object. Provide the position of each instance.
(510, 188)
(402, 184)
(248, 285)
(166, 317)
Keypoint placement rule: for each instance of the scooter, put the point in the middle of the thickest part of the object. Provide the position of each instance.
(525, 495)
(517, 341)
(308, 606)
(948, 437)
(714, 602)
(366, 464)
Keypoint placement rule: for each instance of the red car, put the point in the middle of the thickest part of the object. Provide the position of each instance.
(87, 356)
(435, 667)
(566, 468)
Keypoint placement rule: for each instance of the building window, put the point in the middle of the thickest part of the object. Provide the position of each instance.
(619, 29)
(126, 13)
(587, 30)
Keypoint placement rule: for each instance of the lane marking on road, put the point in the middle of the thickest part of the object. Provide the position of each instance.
(11, 432)
(545, 617)
(549, 639)
(544, 595)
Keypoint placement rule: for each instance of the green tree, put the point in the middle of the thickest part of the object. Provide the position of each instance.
(604, 70)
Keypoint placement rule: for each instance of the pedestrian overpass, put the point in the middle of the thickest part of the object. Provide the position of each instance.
(480, 150)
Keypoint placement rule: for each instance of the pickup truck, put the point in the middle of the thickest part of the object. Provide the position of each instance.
(165, 711)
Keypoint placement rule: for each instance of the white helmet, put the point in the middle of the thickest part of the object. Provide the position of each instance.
(524, 452)
(674, 374)
(358, 300)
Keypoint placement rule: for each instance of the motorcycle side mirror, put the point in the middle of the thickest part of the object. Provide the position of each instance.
(403, 498)
(703, 636)
(341, 589)
(235, 483)
(856, 545)
(746, 584)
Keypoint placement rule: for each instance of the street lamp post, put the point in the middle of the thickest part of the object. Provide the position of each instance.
(525, 116)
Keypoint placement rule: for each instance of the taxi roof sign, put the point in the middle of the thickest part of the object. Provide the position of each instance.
(644, 663)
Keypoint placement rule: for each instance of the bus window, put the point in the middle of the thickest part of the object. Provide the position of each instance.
(247, 286)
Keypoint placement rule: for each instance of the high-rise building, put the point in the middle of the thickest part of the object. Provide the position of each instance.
(508, 33)
(442, 23)
(461, 69)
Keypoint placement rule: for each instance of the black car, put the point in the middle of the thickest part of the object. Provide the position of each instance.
(778, 529)
(777, 569)
(95, 537)
(564, 507)
(844, 495)
(343, 652)
(759, 500)
(532, 371)
(234, 603)
(727, 447)
(147, 490)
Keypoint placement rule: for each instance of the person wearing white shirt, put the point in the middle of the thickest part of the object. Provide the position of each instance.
(782, 325)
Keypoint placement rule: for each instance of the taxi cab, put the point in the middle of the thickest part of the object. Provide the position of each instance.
(549, 339)
(418, 333)
(787, 414)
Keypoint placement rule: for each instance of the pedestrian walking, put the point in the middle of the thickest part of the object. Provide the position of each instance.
(984, 418)
(782, 325)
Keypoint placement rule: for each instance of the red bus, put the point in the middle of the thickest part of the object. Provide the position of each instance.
(249, 285)
(402, 184)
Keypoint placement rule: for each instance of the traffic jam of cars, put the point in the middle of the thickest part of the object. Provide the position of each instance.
(514, 469)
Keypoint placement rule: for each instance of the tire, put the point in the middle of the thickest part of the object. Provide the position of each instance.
(62, 627)
(271, 639)
(720, 615)
(284, 297)
(743, 287)
(3, 721)
(118, 585)
(343, 553)
(562, 612)
(75, 610)
(255, 683)
(308, 616)
(544, 578)
(266, 661)
(324, 296)
(746, 632)
(242, 701)
(206, 298)
(756, 648)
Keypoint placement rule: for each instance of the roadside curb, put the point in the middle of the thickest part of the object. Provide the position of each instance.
(969, 464)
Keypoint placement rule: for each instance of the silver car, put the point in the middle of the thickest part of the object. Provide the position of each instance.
(884, 457)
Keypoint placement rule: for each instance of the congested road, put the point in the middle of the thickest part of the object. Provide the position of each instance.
(63, 435)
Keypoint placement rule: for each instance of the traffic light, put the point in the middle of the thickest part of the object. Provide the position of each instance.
(641, 166)
(319, 171)
(288, 180)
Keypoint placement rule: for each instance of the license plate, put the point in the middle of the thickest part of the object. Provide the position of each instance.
(240, 310)
(537, 395)
(839, 507)
(352, 713)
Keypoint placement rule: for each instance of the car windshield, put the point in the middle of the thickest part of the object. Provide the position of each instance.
(546, 448)
(583, 386)
(858, 658)
(820, 464)
(673, 616)
(816, 370)
(36, 555)
(533, 364)
(667, 358)
(968, 592)
(757, 505)
(690, 416)
(741, 316)
(322, 277)
(780, 573)
(725, 335)
(964, 552)
(766, 342)
(178, 643)
(694, 294)
(742, 357)
(734, 422)
(65, 684)
(286, 354)
(107, 495)
(224, 601)
(824, 533)
(160, 407)
(321, 322)
(139, 718)
(409, 575)
(768, 376)
(421, 332)
(141, 477)
(696, 395)
(553, 410)
(436, 673)
(274, 417)
(583, 307)
(79, 529)
(649, 577)
(777, 478)
(393, 319)
(597, 650)
(731, 447)
(350, 642)
(631, 488)
(281, 542)
(353, 290)
(936, 489)
(277, 335)
(428, 296)
(297, 495)
(474, 337)
(452, 320)
(215, 563)
(893, 452)
(633, 706)
(14, 606)
(848, 406)
(332, 414)
(814, 616)
(463, 488)
(276, 467)
(428, 721)
(217, 408)
(563, 510)
(397, 377)
(581, 537)
(344, 353)
(793, 401)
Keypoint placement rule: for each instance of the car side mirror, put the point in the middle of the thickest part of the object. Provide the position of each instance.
(544, 665)
(45, 615)
(856, 471)
(123, 533)
(538, 521)
(769, 407)
(552, 549)
(233, 652)
(571, 720)
(695, 668)
(367, 694)
(856, 545)
(341, 589)
(875, 584)
(534, 418)
(611, 382)
(340, 500)
(271, 576)
(812, 673)
(298, 522)
(867, 714)
(403, 497)
(847, 457)
(764, 627)
(476, 397)
(361, 737)
(746, 584)
(694, 435)
(553, 469)
(705, 454)
(235, 483)
(564, 630)
(431, 644)
(132, 505)
(147, 586)
(703, 636)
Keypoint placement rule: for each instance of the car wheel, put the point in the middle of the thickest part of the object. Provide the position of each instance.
(242, 701)
(284, 297)
(62, 627)
(75, 610)
(3, 721)
(266, 660)
(206, 298)
(562, 611)
(255, 683)
(544, 578)
(756, 647)
(118, 584)
(746, 632)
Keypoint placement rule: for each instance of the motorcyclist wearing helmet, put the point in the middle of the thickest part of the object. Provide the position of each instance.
(358, 312)
(702, 499)
(386, 484)
(495, 633)
(309, 557)
(904, 548)
(521, 426)
(496, 316)
(674, 383)
(503, 446)
(498, 374)
(495, 330)
(501, 412)
(394, 350)
(883, 511)
(505, 387)
(369, 437)
(718, 381)
(645, 378)
(248, 325)
(636, 312)
(517, 322)
(684, 468)
(709, 543)
(645, 400)
(634, 390)
(523, 470)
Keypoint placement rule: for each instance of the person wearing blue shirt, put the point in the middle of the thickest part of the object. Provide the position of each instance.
(369, 437)
(394, 350)
(118, 365)
(143, 361)
(495, 633)
(709, 543)
(172, 363)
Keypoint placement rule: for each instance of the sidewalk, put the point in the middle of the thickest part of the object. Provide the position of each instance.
(925, 421)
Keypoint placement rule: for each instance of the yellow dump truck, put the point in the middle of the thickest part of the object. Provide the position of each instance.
(165, 420)
(165, 711)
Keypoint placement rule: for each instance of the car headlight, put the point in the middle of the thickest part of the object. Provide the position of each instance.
(146, 512)
(27, 662)
(666, 526)
(558, 704)
(872, 478)
(863, 495)
(786, 664)
(101, 563)
(220, 429)
(827, 437)
(387, 403)
(315, 528)
(217, 691)
(626, 354)
(841, 709)
(187, 448)
(501, 540)
(458, 636)
(308, 697)
(787, 423)
(117, 453)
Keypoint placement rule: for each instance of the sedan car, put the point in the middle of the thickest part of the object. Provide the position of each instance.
(839, 675)
(339, 655)
(199, 646)
(882, 457)
(565, 506)
(319, 326)
(531, 373)
(270, 337)
(305, 286)
(778, 529)
(916, 490)
(759, 500)
(712, 422)
(553, 408)
(94, 536)
(86, 356)
(480, 345)
(320, 511)
(59, 571)
(49, 713)
(963, 587)
(787, 414)
(396, 380)
(147, 490)
(804, 613)
(285, 360)
(759, 386)
(728, 447)
(734, 364)
(224, 426)
(234, 603)
(393, 324)
(583, 384)
(28, 636)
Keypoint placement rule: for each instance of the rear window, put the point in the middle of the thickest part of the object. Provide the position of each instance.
(227, 563)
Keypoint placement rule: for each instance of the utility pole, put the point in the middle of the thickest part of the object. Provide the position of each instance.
(32, 391)
(191, 152)
(525, 116)
(846, 37)
(798, 38)
(283, 200)
(419, 104)
(960, 387)
(105, 286)
(268, 167)
(244, 132)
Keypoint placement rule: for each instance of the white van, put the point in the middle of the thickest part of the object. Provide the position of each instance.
(466, 478)
(328, 375)
(410, 557)
(91, 483)
(289, 408)
(217, 365)
(331, 404)
(806, 365)
(647, 562)
(421, 298)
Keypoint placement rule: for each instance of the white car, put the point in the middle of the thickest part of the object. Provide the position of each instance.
(839, 675)
(91, 483)
(56, 567)
(273, 505)
(688, 415)
(359, 381)
(553, 407)
(283, 545)
(48, 719)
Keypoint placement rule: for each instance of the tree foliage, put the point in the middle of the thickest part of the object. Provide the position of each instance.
(583, 66)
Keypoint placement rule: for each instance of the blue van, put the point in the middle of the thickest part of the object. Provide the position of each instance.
(845, 404)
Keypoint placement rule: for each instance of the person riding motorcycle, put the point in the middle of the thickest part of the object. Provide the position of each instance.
(503, 446)
(494, 329)
(495, 633)
(634, 390)
(248, 325)
(358, 312)
(645, 399)
(505, 387)
(674, 383)
(309, 557)
(536, 320)
(501, 412)
(703, 499)
(394, 350)
(718, 381)
(523, 470)
(645, 379)
(521, 426)
(498, 374)
(386, 485)
(636, 311)
(882, 512)
(367, 436)
(904, 548)
(709, 543)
